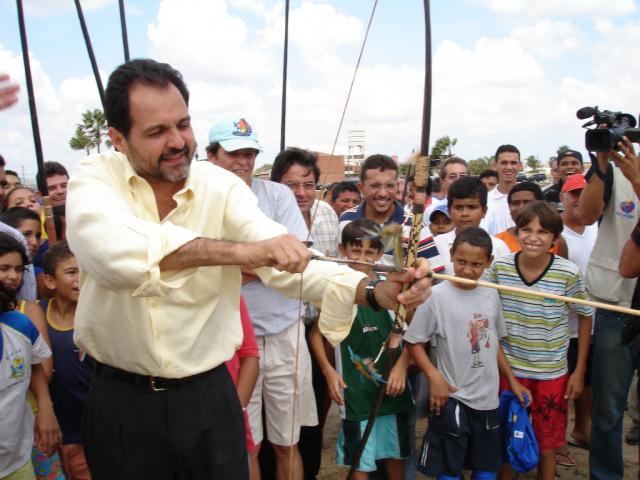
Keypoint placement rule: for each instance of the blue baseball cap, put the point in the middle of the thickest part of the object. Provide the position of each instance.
(234, 134)
(442, 208)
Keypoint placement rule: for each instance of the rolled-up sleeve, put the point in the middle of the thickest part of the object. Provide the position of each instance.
(117, 248)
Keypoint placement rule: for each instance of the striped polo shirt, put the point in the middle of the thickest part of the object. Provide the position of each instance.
(538, 328)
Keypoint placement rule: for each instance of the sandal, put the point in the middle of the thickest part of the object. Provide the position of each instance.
(565, 459)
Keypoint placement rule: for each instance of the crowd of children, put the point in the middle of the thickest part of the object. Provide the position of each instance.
(470, 342)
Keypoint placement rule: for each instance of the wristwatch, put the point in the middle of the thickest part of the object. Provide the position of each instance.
(370, 296)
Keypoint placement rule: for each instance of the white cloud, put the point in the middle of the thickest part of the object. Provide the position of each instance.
(542, 8)
(548, 38)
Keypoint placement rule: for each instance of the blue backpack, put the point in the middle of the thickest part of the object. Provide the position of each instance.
(519, 441)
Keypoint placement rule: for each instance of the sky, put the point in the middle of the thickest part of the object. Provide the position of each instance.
(504, 71)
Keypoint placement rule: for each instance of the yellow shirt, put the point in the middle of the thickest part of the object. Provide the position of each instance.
(174, 324)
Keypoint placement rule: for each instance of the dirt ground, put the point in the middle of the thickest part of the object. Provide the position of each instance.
(330, 471)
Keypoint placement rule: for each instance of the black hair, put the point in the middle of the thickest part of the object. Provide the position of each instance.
(378, 162)
(488, 173)
(436, 185)
(2, 162)
(548, 217)
(294, 156)
(343, 187)
(506, 148)
(526, 187)
(452, 161)
(51, 169)
(476, 237)
(117, 108)
(11, 172)
(213, 148)
(54, 255)
(467, 187)
(353, 233)
(16, 215)
(9, 244)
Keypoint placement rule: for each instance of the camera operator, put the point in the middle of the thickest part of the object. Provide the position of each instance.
(611, 195)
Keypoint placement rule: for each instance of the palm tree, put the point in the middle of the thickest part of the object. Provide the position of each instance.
(89, 134)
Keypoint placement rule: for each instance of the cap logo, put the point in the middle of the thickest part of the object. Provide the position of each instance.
(242, 128)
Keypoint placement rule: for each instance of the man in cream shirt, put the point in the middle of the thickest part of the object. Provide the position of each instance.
(160, 243)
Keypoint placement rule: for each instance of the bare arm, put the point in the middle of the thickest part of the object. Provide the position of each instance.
(47, 434)
(629, 266)
(247, 378)
(439, 387)
(36, 315)
(335, 382)
(591, 202)
(505, 371)
(576, 380)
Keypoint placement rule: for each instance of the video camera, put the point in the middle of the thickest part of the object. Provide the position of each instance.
(605, 139)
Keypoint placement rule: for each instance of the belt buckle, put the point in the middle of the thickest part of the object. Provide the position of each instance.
(152, 383)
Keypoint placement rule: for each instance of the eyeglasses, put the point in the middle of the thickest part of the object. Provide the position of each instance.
(455, 176)
(305, 186)
(389, 187)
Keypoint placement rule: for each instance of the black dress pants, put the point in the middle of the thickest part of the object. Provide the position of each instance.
(191, 431)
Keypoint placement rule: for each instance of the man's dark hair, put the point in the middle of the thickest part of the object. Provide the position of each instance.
(343, 187)
(526, 187)
(476, 237)
(378, 162)
(488, 173)
(213, 148)
(294, 156)
(451, 161)
(506, 148)
(354, 232)
(16, 215)
(51, 169)
(2, 162)
(467, 187)
(142, 70)
(549, 218)
(54, 255)
(11, 172)
(436, 185)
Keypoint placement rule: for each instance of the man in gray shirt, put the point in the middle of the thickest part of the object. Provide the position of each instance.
(233, 145)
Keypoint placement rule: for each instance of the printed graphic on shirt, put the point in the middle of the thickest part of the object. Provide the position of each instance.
(366, 367)
(626, 209)
(478, 334)
(16, 365)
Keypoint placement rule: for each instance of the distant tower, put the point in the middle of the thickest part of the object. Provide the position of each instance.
(356, 151)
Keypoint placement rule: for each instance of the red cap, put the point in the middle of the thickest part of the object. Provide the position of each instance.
(574, 182)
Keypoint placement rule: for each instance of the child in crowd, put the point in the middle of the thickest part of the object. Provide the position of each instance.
(467, 323)
(27, 222)
(243, 368)
(353, 389)
(521, 195)
(467, 203)
(538, 329)
(439, 221)
(72, 368)
(22, 349)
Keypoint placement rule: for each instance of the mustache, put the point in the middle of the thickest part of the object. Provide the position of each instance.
(174, 152)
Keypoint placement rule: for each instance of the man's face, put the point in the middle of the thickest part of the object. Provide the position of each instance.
(519, 200)
(345, 201)
(57, 186)
(379, 189)
(302, 183)
(160, 144)
(568, 166)
(453, 172)
(570, 203)
(490, 183)
(12, 182)
(467, 212)
(240, 162)
(508, 165)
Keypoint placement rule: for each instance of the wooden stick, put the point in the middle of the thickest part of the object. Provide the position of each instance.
(377, 267)
(537, 293)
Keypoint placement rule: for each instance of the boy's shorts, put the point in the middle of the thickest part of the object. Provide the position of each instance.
(461, 438)
(548, 410)
(389, 439)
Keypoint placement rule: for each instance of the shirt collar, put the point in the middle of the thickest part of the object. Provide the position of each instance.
(396, 217)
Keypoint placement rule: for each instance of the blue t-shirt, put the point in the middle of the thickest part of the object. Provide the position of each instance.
(69, 387)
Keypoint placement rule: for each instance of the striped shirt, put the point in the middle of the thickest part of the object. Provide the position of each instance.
(538, 328)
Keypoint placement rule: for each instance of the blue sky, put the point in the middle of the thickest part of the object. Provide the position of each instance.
(505, 71)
